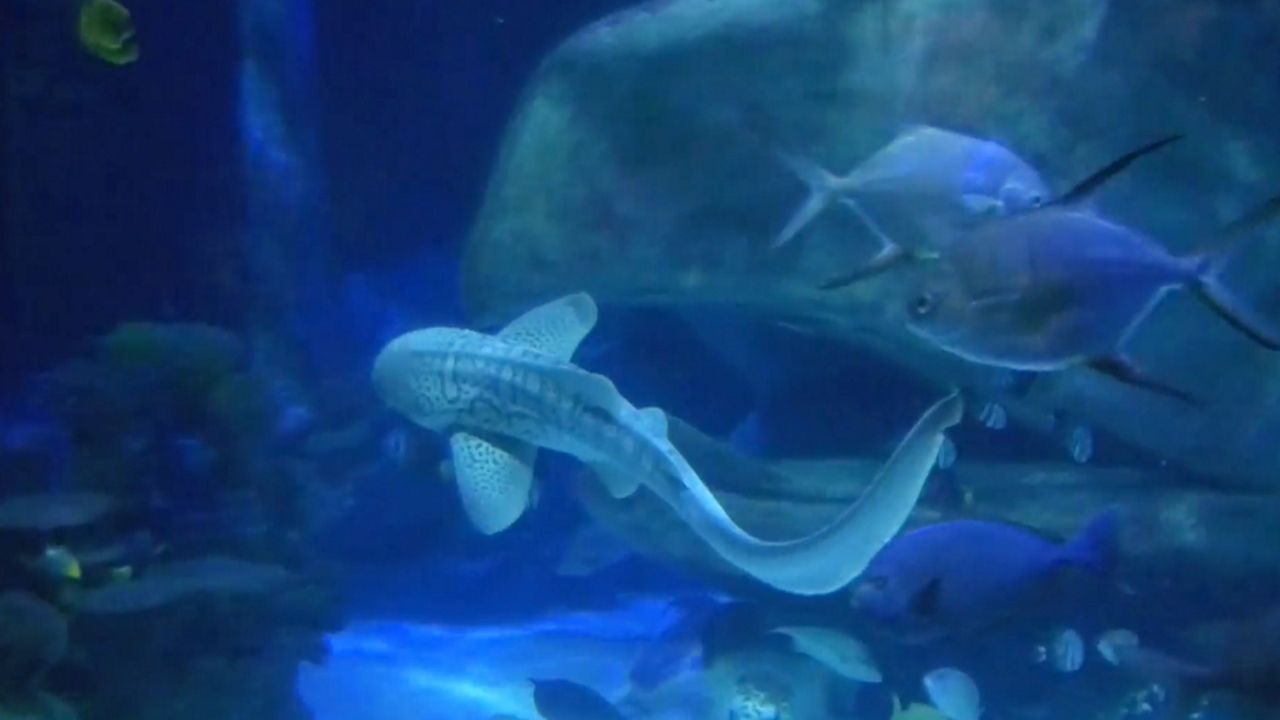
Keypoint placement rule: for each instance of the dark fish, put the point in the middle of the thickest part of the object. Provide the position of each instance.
(1059, 286)
(927, 179)
(568, 700)
(963, 575)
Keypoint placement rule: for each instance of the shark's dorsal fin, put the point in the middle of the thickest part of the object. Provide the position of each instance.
(555, 328)
(1085, 189)
(495, 479)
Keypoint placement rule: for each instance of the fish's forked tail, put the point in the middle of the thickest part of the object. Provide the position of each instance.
(1094, 547)
(823, 189)
(1221, 299)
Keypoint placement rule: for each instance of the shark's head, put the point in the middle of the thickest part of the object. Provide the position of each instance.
(409, 375)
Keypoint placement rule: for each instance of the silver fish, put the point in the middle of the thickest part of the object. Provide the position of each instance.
(1064, 652)
(925, 184)
(1059, 286)
(502, 397)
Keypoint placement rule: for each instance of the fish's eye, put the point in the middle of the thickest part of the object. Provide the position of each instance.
(923, 304)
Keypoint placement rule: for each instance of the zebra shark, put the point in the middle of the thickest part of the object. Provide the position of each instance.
(501, 397)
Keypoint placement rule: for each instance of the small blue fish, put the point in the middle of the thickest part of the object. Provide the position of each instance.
(1059, 286)
(927, 181)
(962, 575)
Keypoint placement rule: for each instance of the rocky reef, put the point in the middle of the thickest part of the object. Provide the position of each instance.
(154, 534)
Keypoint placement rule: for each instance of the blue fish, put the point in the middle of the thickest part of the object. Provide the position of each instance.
(926, 184)
(962, 575)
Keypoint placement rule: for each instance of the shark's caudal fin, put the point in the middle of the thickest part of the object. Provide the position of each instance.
(830, 558)
(823, 188)
(495, 479)
(556, 328)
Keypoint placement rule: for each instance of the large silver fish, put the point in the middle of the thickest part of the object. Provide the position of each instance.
(501, 397)
(1059, 286)
(925, 185)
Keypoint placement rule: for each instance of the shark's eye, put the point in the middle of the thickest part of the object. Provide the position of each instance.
(923, 304)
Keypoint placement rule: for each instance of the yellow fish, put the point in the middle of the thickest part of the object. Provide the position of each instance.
(915, 711)
(57, 562)
(106, 31)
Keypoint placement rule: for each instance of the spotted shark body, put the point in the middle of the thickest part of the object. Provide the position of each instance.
(502, 397)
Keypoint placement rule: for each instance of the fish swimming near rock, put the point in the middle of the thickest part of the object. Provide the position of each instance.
(936, 180)
(840, 652)
(960, 576)
(1064, 652)
(57, 563)
(954, 693)
(568, 700)
(502, 397)
(1059, 286)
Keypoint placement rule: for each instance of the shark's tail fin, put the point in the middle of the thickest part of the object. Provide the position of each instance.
(823, 189)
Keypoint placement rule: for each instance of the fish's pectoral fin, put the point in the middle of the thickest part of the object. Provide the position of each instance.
(619, 483)
(1085, 189)
(1121, 369)
(555, 328)
(888, 258)
(495, 479)
(924, 604)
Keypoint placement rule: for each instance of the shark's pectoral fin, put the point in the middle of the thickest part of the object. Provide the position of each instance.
(653, 421)
(495, 479)
(618, 482)
(556, 328)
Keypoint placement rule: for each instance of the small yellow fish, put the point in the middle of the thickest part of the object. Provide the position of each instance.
(58, 562)
(915, 711)
(106, 31)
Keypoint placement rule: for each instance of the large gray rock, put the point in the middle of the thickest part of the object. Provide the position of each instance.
(641, 167)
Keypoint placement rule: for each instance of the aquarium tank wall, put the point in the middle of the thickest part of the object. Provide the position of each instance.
(666, 360)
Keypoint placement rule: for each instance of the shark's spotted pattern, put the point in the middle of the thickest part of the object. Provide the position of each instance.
(501, 397)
